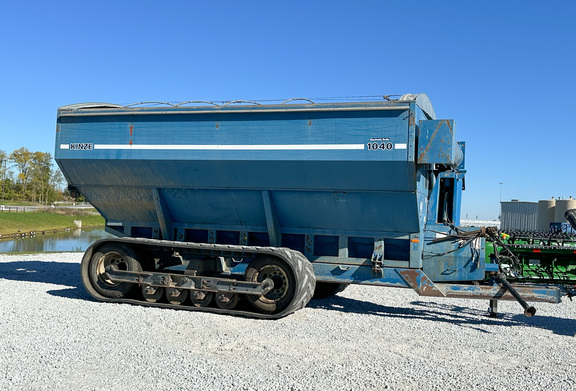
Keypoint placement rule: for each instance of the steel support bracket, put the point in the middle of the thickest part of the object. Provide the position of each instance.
(271, 219)
(164, 218)
(378, 257)
(420, 282)
(196, 283)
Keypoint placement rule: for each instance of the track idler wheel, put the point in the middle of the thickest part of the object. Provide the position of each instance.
(117, 257)
(281, 274)
(293, 278)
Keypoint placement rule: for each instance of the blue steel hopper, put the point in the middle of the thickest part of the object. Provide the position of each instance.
(204, 196)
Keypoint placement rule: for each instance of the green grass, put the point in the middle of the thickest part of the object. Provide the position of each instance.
(11, 223)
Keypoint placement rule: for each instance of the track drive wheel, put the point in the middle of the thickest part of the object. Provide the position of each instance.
(116, 256)
(282, 295)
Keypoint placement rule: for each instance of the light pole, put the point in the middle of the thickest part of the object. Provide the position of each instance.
(501, 191)
(3, 163)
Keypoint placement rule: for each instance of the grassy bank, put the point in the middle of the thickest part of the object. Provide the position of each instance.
(18, 203)
(11, 223)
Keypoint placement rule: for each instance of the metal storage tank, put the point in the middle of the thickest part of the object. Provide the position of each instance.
(546, 214)
(561, 207)
(518, 215)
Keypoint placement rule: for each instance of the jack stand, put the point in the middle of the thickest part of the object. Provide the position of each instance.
(493, 309)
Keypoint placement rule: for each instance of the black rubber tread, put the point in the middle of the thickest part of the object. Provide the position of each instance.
(306, 280)
(325, 290)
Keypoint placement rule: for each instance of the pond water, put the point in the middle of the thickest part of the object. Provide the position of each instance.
(75, 240)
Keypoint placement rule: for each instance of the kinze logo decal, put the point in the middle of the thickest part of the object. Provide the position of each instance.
(83, 146)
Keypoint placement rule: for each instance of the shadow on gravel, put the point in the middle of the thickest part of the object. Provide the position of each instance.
(558, 325)
(461, 316)
(72, 293)
(57, 273)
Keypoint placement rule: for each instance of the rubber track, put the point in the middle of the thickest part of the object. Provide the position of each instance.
(300, 265)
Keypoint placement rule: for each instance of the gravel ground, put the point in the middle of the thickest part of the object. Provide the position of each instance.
(54, 336)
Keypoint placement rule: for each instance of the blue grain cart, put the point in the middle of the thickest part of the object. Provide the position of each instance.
(250, 209)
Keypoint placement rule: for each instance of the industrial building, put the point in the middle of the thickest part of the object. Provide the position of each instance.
(535, 216)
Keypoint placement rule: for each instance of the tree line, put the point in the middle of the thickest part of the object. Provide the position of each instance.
(30, 176)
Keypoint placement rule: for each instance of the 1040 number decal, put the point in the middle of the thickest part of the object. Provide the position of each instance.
(380, 146)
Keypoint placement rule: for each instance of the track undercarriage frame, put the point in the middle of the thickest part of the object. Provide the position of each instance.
(270, 282)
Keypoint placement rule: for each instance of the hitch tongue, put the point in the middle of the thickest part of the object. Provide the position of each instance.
(528, 309)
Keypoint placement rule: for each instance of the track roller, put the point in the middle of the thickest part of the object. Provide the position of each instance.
(201, 299)
(152, 293)
(176, 296)
(226, 300)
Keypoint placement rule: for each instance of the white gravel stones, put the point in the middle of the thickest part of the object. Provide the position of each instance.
(54, 336)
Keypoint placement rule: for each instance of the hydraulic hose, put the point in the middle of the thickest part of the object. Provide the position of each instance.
(570, 215)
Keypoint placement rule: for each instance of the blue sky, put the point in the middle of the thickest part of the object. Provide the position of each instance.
(504, 70)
